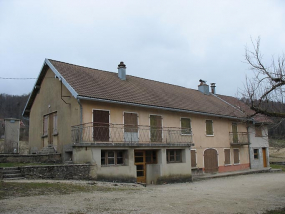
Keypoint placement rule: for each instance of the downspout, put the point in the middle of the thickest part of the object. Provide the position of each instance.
(80, 133)
(248, 136)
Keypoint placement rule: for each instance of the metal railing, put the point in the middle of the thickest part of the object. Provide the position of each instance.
(119, 133)
(239, 138)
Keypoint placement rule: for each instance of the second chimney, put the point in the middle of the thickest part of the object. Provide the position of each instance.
(213, 88)
(122, 71)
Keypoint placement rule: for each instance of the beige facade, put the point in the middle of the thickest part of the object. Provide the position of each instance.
(49, 100)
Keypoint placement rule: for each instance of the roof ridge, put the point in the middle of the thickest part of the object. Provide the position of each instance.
(126, 75)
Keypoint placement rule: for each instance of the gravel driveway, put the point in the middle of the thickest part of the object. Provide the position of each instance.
(253, 193)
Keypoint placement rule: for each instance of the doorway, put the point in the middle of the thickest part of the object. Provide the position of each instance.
(211, 161)
(264, 157)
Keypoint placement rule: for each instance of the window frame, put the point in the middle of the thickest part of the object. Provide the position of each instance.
(181, 118)
(115, 157)
(175, 155)
(256, 152)
(212, 122)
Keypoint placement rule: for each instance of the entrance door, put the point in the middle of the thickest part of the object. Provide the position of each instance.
(140, 162)
(101, 125)
(264, 157)
(210, 161)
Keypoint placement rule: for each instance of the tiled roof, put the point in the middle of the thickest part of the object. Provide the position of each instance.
(258, 118)
(93, 83)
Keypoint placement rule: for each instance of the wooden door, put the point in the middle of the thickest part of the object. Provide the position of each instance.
(155, 128)
(210, 161)
(264, 157)
(101, 125)
(50, 129)
(140, 163)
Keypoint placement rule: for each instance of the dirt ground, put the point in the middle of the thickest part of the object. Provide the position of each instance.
(253, 193)
(276, 154)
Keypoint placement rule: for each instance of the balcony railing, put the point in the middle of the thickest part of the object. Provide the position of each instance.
(119, 133)
(239, 138)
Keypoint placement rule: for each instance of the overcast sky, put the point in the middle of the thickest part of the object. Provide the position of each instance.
(177, 42)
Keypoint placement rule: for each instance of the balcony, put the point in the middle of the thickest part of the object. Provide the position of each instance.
(239, 138)
(119, 133)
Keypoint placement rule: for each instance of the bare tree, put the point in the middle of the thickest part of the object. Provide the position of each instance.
(265, 92)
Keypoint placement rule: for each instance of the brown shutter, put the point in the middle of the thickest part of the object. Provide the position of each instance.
(50, 129)
(236, 156)
(193, 158)
(156, 128)
(131, 122)
(227, 156)
(101, 125)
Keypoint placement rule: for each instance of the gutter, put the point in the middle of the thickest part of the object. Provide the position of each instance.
(158, 107)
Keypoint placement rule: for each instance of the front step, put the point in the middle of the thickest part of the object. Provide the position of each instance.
(11, 173)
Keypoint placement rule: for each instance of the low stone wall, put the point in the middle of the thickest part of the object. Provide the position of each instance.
(32, 158)
(58, 172)
(23, 147)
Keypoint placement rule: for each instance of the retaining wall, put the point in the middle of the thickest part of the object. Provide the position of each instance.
(58, 172)
(32, 158)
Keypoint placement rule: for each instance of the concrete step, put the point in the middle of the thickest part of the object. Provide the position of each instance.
(11, 171)
(12, 175)
(16, 178)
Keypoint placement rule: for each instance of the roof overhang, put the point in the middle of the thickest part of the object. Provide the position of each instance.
(162, 108)
(46, 65)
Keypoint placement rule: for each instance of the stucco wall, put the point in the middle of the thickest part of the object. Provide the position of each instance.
(49, 100)
(221, 127)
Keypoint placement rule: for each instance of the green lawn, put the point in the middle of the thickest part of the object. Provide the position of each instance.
(275, 166)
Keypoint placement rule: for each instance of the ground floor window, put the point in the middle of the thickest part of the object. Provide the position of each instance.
(256, 153)
(227, 156)
(151, 157)
(174, 155)
(236, 156)
(112, 157)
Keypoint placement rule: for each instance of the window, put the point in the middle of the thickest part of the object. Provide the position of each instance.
(173, 156)
(112, 157)
(185, 126)
(236, 156)
(193, 158)
(150, 157)
(227, 156)
(130, 122)
(209, 127)
(256, 153)
(258, 131)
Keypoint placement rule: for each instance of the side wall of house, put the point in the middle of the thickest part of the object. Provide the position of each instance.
(258, 146)
(47, 101)
(219, 141)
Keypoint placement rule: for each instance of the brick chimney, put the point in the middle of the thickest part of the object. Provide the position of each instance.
(213, 88)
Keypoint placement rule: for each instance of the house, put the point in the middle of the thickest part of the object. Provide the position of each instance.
(134, 129)
(257, 132)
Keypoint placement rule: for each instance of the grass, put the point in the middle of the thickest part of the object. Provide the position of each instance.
(15, 189)
(23, 164)
(276, 166)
